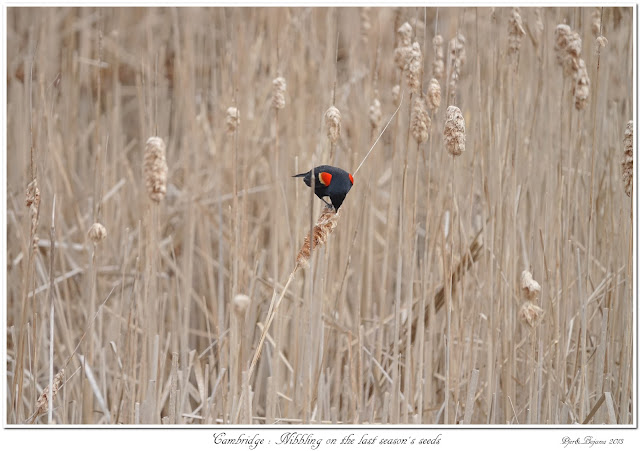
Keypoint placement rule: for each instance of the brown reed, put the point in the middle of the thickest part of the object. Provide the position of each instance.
(420, 120)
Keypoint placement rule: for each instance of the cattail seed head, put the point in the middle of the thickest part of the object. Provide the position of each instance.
(375, 113)
(365, 23)
(404, 35)
(568, 47)
(395, 95)
(457, 51)
(530, 314)
(420, 120)
(602, 41)
(433, 95)
(627, 159)
(581, 84)
(155, 168)
(240, 304)
(596, 20)
(32, 195)
(538, 25)
(516, 32)
(333, 120)
(233, 119)
(325, 224)
(97, 233)
(530, 288)
(43, 401)
(454, 131)
(438, 58)
(279, 88)
(414, 68)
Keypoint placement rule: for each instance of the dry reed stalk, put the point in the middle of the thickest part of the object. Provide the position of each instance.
(279, 88)
(333, 122)
(454, 131)
(155, 168)
(627, 159)
(433, 95)
(437, 69)
(420, 120)
(43, 400)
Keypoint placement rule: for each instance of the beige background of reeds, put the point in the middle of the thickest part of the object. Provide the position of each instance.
(168, 343)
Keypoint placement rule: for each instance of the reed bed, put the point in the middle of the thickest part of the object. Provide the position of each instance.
(480, 272)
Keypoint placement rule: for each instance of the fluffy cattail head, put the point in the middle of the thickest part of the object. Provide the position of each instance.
(43, 401)
(581, 84)
(454, 131)
(414, 68)
(433, 95)
(155, 168)
(375, 113)
(530, 314)
(365, 23)
(438, 58)
(516, 32)
(97, 233)
(627, 159)
(240, 304)
(279, 88)
(404, 35)
(596, 20)
(568, 47)
(321, 231)
(530, 288)
(420, 120)
(457, 51)
(333, 120)
(233, 119)
(395, 95)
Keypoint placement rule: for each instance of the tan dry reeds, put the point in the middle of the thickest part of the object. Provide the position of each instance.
(375, 112)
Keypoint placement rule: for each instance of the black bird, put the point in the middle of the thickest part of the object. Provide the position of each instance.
(330, 181)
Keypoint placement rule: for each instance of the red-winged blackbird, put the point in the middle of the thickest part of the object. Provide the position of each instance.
(330, 181)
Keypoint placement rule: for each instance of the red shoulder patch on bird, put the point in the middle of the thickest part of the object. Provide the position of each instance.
(351, 178)
(325, 178)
